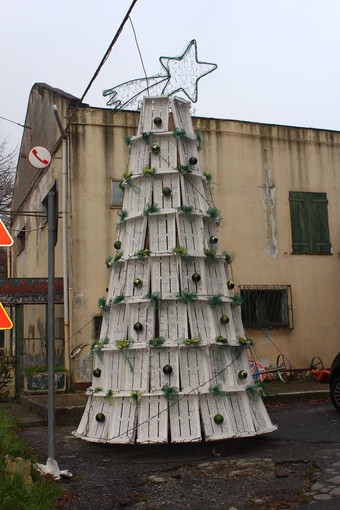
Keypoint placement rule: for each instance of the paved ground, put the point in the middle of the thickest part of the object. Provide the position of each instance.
(296, 467)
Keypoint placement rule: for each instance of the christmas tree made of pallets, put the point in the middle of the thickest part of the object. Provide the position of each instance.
(171, 363)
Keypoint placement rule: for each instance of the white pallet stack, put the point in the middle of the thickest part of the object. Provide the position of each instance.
(175, 389)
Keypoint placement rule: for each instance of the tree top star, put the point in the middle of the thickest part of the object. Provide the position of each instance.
(184, 72)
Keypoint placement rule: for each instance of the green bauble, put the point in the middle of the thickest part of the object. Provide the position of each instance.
(138, 327)
(157, 121)
(192, 161)
(167, 369)
(100, 417)
(97, 372)
(213, 240)
(155, 148)
(117, 245)
(242, 375)
(167, 191)
(218, 419)
(231, 284)
(138, 283)
(224, 319)
(196, 277)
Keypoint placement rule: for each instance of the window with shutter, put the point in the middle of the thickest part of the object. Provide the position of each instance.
(309, 222)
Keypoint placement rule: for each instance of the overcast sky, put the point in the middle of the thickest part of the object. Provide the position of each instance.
(278, 60)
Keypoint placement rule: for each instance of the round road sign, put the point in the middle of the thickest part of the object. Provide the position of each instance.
(39, 157)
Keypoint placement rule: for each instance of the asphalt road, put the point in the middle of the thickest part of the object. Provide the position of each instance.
(298, 466)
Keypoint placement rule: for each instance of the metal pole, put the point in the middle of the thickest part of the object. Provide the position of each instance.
(51, 300)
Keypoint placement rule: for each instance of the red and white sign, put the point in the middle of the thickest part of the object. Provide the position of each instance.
(39, 157)
(5, 321)
(5, 237)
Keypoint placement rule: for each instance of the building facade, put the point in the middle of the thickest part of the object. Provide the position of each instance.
(277, 189)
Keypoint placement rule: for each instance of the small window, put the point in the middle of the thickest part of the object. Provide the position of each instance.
(309, 222)
(267, 306)
(97, 325)
(116, 194)
(20, 240)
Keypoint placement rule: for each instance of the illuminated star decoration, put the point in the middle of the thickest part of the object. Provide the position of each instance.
(182, 74)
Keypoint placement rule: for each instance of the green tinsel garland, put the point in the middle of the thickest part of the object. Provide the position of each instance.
(248, 341)
(186, 209)
(123, 214)
(120, 185)
(209, 252)
(218, 392)
(111, 261)
(157, 342)
(222, 340)
(214, 214)
(136, 397)
(98, 390)
(257, 388)
(229, 257)
(215, 300)
(150, 172)
(179, 133)
(118, 299)
(237, 300)
(186, 297)
(128, 142)
(199, 140)
(192, 341)
(170, 392)
(151, 209)
(127, 177)
(155, 299)
(122, 345)
(179, 250)
(102, 304)
(185, 170)
(208, 176)
(147, 136)
(143, 253)
(109, 396)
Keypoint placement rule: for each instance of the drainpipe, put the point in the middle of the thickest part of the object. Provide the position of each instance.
(64, 235)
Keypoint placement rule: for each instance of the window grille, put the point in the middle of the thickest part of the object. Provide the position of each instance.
(97, 322)
(267, 306)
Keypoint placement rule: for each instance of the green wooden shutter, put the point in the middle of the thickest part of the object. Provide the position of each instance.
(299, 222)
(319, 228)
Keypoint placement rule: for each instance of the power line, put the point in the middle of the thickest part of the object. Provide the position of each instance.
(17, 123)
(105, 57)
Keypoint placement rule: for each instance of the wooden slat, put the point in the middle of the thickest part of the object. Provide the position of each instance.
(167, 157)
(169, 180)
(89, 428)
(187, 270)
(164, 275)
(190, 233)
(139, 195)
(194, 369)
(117, 323)
(240, 362)
(193, 191)
(137, 269)
(225, 330)
(134, 236)
(237, 319)
(145, 314)
(240, 414)
(154, 107)
(210, 407)
(138, 378)
(114, 370)
(182, 117)
(159, 357)
(261, 420)
(162, 233)
(215, 275)
(173, 321)
(210, 230)
(201, 321)
(123, 422)
(117, 279)
(140, 156)
(184, 419)
(223, 370)
(152, 419)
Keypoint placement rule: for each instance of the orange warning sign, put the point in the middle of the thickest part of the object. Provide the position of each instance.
(5, 237)
(5, 321)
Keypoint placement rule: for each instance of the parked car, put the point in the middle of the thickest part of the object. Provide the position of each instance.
(335, 382)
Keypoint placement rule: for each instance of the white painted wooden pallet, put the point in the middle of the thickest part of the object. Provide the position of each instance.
(195, 370)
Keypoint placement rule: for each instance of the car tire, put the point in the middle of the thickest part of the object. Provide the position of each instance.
(335, 393)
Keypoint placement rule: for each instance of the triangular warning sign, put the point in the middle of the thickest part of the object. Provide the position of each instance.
(5, 238)
(5, 321)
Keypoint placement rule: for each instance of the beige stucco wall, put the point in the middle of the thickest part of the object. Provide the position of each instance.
(254, 167)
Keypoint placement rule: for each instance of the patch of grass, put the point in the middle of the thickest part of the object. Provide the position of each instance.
(14, 494)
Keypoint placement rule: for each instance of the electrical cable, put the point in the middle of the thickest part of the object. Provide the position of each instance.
(105, 57)
(140, 56)
(17, 123)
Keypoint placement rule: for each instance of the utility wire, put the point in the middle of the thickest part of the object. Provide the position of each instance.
(17, 123)
(105, 57)
(140, 55)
